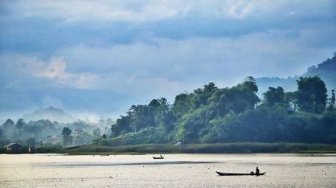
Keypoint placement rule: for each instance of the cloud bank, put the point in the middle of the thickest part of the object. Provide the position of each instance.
(105, 55)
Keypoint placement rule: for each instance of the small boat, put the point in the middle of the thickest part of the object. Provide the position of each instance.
(239, 174)
(159, 157)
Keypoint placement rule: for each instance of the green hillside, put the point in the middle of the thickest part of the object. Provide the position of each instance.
(224, 115)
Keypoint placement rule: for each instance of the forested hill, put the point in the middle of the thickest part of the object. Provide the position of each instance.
(325, 70)
(51, 114)
(220, 115)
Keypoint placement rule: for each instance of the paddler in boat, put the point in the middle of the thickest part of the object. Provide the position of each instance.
(257, 171)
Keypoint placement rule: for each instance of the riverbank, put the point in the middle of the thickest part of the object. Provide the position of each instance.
(205, 148)
(189, 148)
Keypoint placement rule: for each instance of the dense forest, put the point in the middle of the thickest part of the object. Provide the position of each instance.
(221, 115)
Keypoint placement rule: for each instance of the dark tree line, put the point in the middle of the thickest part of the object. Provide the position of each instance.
(212, 115)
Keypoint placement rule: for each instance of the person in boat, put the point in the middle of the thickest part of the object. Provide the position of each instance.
(257, 171)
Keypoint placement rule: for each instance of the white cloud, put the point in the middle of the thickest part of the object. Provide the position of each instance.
(144, 11)
(184, 45)
(269, 53)
(118, 10)
(240, 9)
(55, 70)
(170, 67)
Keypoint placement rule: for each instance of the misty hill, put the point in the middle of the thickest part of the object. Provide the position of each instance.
(325, 70)
(50, 113)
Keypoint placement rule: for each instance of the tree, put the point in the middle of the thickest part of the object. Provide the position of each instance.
(139, 117)
(157, 111)
(250, 88)
(181, 104)
(18, 132)
(311, 94)
(20, 124)
(8, 124)
(123, 125)
(332, 99)
(239, 98)
(154, 103)
(250, 83)
(274, 96)
(1, 134)
(291, 100)
(8, 128)
(97, 133)
(104, 136)
(66, 132)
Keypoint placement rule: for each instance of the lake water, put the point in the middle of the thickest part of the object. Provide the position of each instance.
(176, 170)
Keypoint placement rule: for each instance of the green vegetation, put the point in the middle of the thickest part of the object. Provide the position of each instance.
(311, 94)
(226, 115)
(67, 139)
(209, 119)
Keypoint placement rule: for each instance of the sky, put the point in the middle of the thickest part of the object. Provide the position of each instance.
(100, 57)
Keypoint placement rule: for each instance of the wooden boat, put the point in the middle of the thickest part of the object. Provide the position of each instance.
(239, 174)
(159, 157)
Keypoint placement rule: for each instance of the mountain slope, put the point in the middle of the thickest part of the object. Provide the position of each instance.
(325, 70)
(50, 113)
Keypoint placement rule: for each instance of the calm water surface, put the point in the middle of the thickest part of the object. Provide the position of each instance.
(176, 170)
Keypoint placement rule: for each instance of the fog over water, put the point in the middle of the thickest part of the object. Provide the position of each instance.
(176, 170)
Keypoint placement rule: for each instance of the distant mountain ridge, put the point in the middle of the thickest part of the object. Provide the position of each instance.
(51, 113)
(325, 70)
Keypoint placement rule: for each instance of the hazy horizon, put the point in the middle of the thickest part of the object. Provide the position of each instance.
(98, 58)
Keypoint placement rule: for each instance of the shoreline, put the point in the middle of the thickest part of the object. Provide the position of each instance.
(218, 148)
